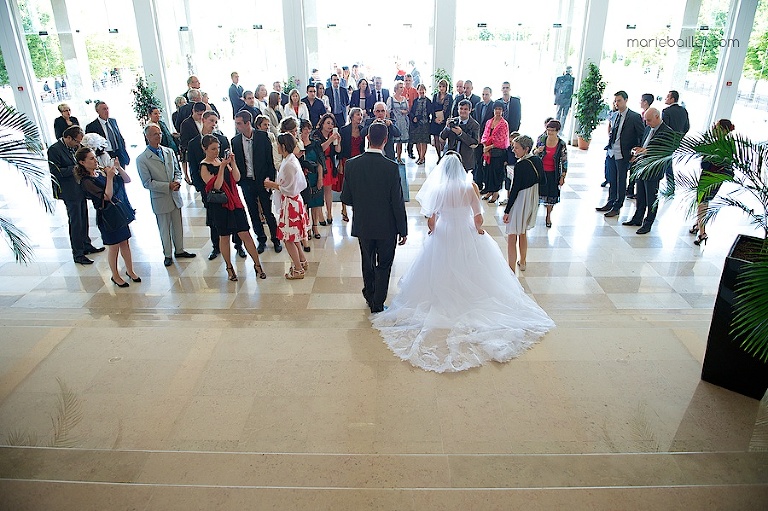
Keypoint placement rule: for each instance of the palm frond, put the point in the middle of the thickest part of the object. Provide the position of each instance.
(17, 240)
(14, 121)
(750, 318)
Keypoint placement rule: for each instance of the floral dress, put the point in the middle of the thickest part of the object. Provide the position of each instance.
(293, 223)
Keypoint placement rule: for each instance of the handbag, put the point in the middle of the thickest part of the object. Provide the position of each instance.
(217, 197)
(116, 214)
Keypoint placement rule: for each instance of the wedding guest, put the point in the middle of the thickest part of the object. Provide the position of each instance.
(65, 120)
(462, 134)
(107, 127)
(208, 104)
(362, 98)
(274, 112)
(554, 156)
(168, 140)
(520, 212)
(322, 97)
(441, 110)
(411, 93)
(418, 131)
(495, 141)
(227, 218)
(295, 108)
(180, 101)
(313, 153)
(262, 96)
(315, 106)
(105, 188)
(397, 104)
(235, 93)
(293, 223)
(330, 141)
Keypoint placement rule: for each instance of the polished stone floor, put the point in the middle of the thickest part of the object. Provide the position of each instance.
(187, 391)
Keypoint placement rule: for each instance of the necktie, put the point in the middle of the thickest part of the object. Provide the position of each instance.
(379, 93)
(111, 136)
(336, 100)
(649, 137)
(615, 130)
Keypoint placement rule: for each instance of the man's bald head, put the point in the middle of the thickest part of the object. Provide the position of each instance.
(652, 117)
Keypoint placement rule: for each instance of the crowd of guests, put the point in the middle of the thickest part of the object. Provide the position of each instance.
(290, 152)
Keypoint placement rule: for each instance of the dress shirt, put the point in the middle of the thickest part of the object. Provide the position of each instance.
(616, 147)
(107, 128)
(248, 150)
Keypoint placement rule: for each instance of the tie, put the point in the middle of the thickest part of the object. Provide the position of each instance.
(649, 137)
(336, 101)
(615, 130)
(379, 93)
(111, 137)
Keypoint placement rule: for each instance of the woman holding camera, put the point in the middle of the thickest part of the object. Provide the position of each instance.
(352, 144)
(293, 221)
(105, 186)
(228, 216)
(330, 140)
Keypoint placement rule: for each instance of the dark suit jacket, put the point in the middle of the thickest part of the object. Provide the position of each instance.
(474, 99)
(392, 133)
(62, 164)
(470, 135)
(255, 111)
(283, 98)
(487, 114)
(184, 113)
(663, 133)
(346, 140)
(187, 132)
(384, 95)
(316, 110)
(263, 164)
(676, 117)
(513, 113)
(195, 155)
(372, 187)
(631, 133)
(236, 98)
(59, 125)
(120, 151)
(343, 95)
(369, 101)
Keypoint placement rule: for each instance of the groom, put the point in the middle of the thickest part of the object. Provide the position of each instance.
(372, 188)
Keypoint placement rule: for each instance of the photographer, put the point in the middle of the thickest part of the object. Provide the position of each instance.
(462, 133)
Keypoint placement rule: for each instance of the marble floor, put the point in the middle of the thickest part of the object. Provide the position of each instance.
(187, 391)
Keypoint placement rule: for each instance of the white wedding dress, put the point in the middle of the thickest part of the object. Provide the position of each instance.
(459, 304)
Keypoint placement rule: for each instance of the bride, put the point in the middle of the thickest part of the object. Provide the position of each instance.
(459, 304)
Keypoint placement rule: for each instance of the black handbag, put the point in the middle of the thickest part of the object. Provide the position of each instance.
(116, 214)
(216, 197)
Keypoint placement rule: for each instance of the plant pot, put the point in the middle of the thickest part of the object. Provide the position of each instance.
(726, 364)
(583, 144)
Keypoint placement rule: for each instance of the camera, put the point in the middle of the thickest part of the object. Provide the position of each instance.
(453, 122)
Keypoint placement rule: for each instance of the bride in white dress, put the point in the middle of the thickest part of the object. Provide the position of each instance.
(459, 304)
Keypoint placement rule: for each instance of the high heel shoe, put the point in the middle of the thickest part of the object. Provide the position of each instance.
(259, 271)
(521, 266)
(137, 279)
(344, 217)
(304, 264)
(548, 223)
(124, 284)
(694, 229)
(307, 248)
(701, 238)
(323, 223)
(231, 275)
(493, 199)
(294, 274)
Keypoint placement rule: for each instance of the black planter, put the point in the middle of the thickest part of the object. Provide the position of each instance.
(726, 364)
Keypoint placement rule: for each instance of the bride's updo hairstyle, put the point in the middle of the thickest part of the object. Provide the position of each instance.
(525, 142)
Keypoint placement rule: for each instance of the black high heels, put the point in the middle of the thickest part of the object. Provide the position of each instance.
(137, 279)
(694, 229)
(701, 238)
(124, 284)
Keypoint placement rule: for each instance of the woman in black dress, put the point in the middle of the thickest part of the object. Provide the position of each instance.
(554, 156)
(105, 187)
(64, 121)
(421, 110)
(441, 110)
(228, 218)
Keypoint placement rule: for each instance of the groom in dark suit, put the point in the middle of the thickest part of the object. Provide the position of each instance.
(372, 188)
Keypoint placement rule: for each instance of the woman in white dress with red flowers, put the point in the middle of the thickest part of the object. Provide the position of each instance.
(293, 222)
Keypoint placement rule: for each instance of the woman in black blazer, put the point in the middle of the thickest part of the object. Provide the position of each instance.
(362, 98)
(64, 121)
(421, 112)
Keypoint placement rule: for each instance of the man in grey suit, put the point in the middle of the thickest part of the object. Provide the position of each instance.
(463, 134)
(160, 174)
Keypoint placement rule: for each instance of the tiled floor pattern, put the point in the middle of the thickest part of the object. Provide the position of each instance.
(187, 361)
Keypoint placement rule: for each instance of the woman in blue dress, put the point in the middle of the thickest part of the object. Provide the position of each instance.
(105, 185)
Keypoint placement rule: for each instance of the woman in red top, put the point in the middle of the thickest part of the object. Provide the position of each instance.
(495, 142)
(352, 144)
(554, 156)
(330, 140)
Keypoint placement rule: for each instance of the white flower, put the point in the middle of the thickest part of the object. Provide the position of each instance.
(94, 141)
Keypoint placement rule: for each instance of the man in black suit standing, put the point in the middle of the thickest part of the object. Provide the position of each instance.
(315, 107)
(378, 93)
(61, 162)
(626, 134)
(676, 117)
(253, 155)
(249, 104)
(338, 97)
(107, 128)
(512, 108)
(462, 133)
(372, 188)
(656, 131)
(236, 94)
(473, 98)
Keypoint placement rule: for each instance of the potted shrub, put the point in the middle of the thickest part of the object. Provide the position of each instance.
(737, 347)
(589, 104)
(143, 99)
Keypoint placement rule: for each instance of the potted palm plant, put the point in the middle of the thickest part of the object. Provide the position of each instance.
(737, 347)
(21, 147)
(589, 104)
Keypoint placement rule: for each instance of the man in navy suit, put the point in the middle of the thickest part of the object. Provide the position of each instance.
(236, 94)
(626, 134)
(315, 107)
(372, 188)
(107, 128)
(338, 97)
